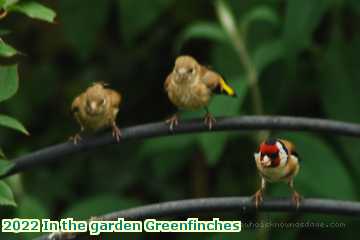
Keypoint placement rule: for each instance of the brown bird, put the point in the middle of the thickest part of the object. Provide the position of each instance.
(96, 109)
(191, 86)
(276, 161)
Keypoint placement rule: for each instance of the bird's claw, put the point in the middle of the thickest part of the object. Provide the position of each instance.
(258, 197)
(209, 120)
(75, 139)
(116, 132)
(173, 121)
(296, 198)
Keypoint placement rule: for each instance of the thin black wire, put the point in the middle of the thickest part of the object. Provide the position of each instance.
(243, 123)
(238, 205)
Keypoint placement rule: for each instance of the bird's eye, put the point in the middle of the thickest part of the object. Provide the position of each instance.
(192, 70)
(103, 101)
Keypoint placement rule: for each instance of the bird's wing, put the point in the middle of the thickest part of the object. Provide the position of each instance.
(115, 98)
(76, 104)
(215, 82)
(167, 81)
(291, 148)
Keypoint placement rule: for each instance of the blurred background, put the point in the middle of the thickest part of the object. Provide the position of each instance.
(301, 55)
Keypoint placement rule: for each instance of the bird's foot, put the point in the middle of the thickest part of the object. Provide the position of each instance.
(173, 121)
(116, 132)
(209, 120)
(258, 197)
(75, 139)
(296, 198)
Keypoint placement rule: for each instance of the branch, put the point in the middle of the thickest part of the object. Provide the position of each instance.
(240, 205)
(57, 152)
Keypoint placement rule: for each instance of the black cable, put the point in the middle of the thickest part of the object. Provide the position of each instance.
(238, 205)
(58, 151)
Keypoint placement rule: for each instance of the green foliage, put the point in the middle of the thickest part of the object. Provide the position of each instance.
(3, 163)
(201, 30)
(6, 50)
(6, 195)
(82, 25)
(6, 3)
(10, 122)
(9, 82)
(9, 79)
(34, 10)
(304, 54)
(260, 13)
(132, 25)
(302, 18)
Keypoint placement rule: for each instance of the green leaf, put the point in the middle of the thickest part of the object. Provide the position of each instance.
(302, 18)
(34, 10)
(4, 166)
(9, 81)
(321, 169)
(99, 205)
(267, 53)
(10, 122)
(6, 195)
(6, 3)
(6, 50)
(81, 24)
(201, 30)
(227, 19)
(260, 13)
(137, 16)
(337, 82)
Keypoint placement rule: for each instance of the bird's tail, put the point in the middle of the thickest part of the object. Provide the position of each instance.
(226, 88)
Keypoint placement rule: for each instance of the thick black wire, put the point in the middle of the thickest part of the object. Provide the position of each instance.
(243, 123)
(238, 205)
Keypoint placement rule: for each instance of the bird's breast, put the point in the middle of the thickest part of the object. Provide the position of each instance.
(94, 122)
(189, 96)
(280, 173)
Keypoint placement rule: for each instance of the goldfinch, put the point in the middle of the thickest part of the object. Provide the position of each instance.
(191, 86)
(96, 109)
(277, 161)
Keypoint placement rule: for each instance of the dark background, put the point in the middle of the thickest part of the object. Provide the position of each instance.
(306, 55)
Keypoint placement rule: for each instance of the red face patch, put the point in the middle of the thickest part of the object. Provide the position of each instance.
(268, 149)
(272, 152)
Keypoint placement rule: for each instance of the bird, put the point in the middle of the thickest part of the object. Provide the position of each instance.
(191, 86)
(96, 109)
(276, 161)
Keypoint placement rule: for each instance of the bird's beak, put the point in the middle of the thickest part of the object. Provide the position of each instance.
(182, 71)
(266, 162)
(93, 105)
